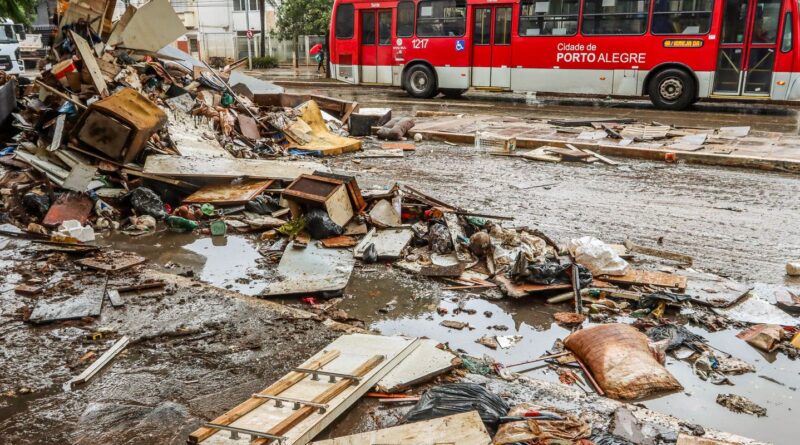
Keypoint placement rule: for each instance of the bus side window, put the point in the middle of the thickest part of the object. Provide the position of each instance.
(615, 17)
(345, 17)
(548, 18)
(682, 16)
(441, 18)
(786, 39)
(405, 19)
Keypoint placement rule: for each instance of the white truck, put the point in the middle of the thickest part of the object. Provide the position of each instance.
(10, 55)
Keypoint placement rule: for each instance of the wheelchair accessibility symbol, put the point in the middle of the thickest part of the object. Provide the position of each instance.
(459, 45)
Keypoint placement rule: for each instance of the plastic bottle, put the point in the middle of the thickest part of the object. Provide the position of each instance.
(181, 224)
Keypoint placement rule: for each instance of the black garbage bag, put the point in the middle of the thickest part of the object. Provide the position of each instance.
(609, 439)
(455, 398)
(145, 202)
(439, 238)
(678, 336)
(320, 225)
(651, 301)
(370, 254)
(36, 203)
(547, 273)
(263, 205)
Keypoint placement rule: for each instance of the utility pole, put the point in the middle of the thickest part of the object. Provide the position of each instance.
(249, 35)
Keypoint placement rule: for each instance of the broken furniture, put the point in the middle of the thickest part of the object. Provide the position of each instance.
(120, 125)
(361, 122)
(328, 194)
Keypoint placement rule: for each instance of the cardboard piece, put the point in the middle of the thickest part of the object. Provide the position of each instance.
(228, 194)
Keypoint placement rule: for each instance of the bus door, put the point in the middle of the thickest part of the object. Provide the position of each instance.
(375, 50)
(491, 46)
(748, 47)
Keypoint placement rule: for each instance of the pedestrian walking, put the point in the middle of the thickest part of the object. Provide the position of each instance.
(318, 51)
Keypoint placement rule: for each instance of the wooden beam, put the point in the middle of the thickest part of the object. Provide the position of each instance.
(252, 403)
(101, 362)
(325, 397)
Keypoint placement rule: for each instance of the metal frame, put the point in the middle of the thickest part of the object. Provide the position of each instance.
(296, 403)
(315, 373)
(235, 431)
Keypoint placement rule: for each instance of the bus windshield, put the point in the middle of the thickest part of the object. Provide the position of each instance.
(7, 34)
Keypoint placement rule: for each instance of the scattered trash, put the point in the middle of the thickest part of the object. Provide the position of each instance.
(766, 337)
(739, 404)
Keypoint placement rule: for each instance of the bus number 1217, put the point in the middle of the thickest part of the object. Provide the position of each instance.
(419, 43)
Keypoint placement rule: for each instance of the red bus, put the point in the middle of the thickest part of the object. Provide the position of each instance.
(674, 51)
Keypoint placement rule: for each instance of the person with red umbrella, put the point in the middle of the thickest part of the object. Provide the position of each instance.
(318, 51)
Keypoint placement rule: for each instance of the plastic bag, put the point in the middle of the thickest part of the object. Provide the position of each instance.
(547, 273)
(620, 360)
(146, 202)
(439, 238)
(320, 225)
(36, 203)
(370, 254)
(597, 256)
(676, 337)
(456, 398)
(569, 429)
(263, 205)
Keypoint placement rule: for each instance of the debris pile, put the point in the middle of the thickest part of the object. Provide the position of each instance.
(121, 131)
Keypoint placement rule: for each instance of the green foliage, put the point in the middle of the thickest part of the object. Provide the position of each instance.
(303, 17)
(20, 11)
(265, 62)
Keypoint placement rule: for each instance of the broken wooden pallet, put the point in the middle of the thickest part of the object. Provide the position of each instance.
(298, 406)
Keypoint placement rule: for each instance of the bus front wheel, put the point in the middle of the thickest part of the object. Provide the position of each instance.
(421, 82)
(672, 89)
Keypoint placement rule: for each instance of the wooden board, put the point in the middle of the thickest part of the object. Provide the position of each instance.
(339, 241)
(425, 363)
(460, 429)
(660, 279)
(90, 63)
(353, 351)
(228, 194)
(198, 167)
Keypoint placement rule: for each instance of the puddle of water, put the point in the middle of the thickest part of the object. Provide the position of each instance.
(228, 262)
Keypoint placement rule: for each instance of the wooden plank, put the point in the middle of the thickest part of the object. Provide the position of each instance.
(356, 350)
(425, 363)
(90, 63)
(228, 194)
(658, 252)
(101, 362)
(252, 403)
(114, 298)
(328, 395)
(184, 166)
(339, 241)
(461, 429)
(660, 279)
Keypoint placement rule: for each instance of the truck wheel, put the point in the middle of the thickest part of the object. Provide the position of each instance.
(672, 89)
(452, 93)
(421, 82)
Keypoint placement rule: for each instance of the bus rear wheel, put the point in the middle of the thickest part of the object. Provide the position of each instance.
(672, 89)
(421, 82)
